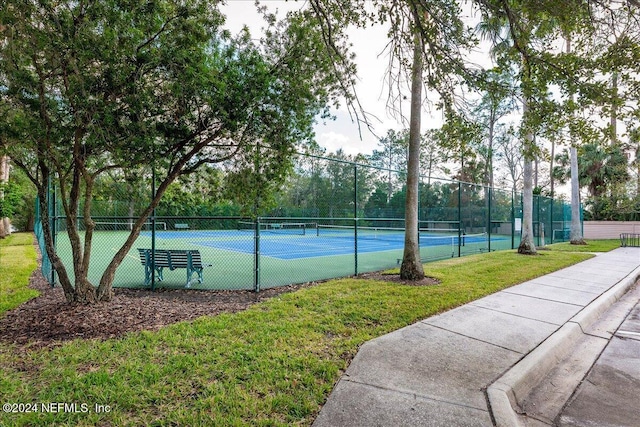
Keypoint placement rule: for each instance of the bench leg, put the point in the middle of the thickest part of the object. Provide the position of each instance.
(147, 275)
(190, 272)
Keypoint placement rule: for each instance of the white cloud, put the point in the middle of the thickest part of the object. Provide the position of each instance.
(332, 141)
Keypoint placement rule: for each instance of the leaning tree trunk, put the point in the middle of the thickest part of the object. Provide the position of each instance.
(411, 268)
(47, 232)
(575, 232)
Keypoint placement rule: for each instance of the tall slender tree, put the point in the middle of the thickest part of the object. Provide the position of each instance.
(411, 268)
(528, 30)
(426, 33)
(575, 229)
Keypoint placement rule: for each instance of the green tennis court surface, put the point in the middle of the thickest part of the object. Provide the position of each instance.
(285, 255)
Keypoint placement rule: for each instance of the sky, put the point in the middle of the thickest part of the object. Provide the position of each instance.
(342, 133)
(368, 45)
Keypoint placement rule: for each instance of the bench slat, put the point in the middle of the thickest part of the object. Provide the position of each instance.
(172, 259)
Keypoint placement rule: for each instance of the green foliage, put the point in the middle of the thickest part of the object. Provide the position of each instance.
(460, 138)
(11, 196)
(109, 87)
(325, 187)
(23, 204)
(17, 262)
(603, 170)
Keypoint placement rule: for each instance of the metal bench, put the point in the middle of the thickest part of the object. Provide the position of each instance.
(181, 226)
(171, 259)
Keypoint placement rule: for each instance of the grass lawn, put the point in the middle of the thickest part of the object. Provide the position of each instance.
(17, 262)
(591, 246)
(273, 364)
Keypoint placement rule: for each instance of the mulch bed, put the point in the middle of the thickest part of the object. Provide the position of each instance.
(427, 281)
(48, 320)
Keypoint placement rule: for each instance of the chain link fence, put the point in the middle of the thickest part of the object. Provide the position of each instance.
(330, 218)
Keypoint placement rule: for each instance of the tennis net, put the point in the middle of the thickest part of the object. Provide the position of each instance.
(126, 226)
(426, 235)
(291, 228)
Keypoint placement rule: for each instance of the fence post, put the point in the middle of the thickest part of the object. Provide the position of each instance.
(489, 220)
(459, 218)
(564, 214)
(551, 215)
(538, 216)
(153, 225)
(355, 218)
(256, 253)
(53, 212)
(513, 219)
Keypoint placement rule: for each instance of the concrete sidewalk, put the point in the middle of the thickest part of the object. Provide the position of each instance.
(436, 372)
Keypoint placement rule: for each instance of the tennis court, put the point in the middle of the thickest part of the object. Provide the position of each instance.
(282, 253)
(305, 231)
(325, 240)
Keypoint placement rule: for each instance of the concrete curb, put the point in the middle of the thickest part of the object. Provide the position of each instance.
(507, 391)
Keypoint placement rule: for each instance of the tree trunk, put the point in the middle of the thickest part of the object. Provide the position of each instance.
(84, 291)
(575, 231)
(105, 288)
(489, 166)
(56, 262)
(552, 181)
(527, 243)
(613, 136)
(411, 268)
(5, 229)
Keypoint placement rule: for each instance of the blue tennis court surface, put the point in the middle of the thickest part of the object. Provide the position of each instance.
(310, 245)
